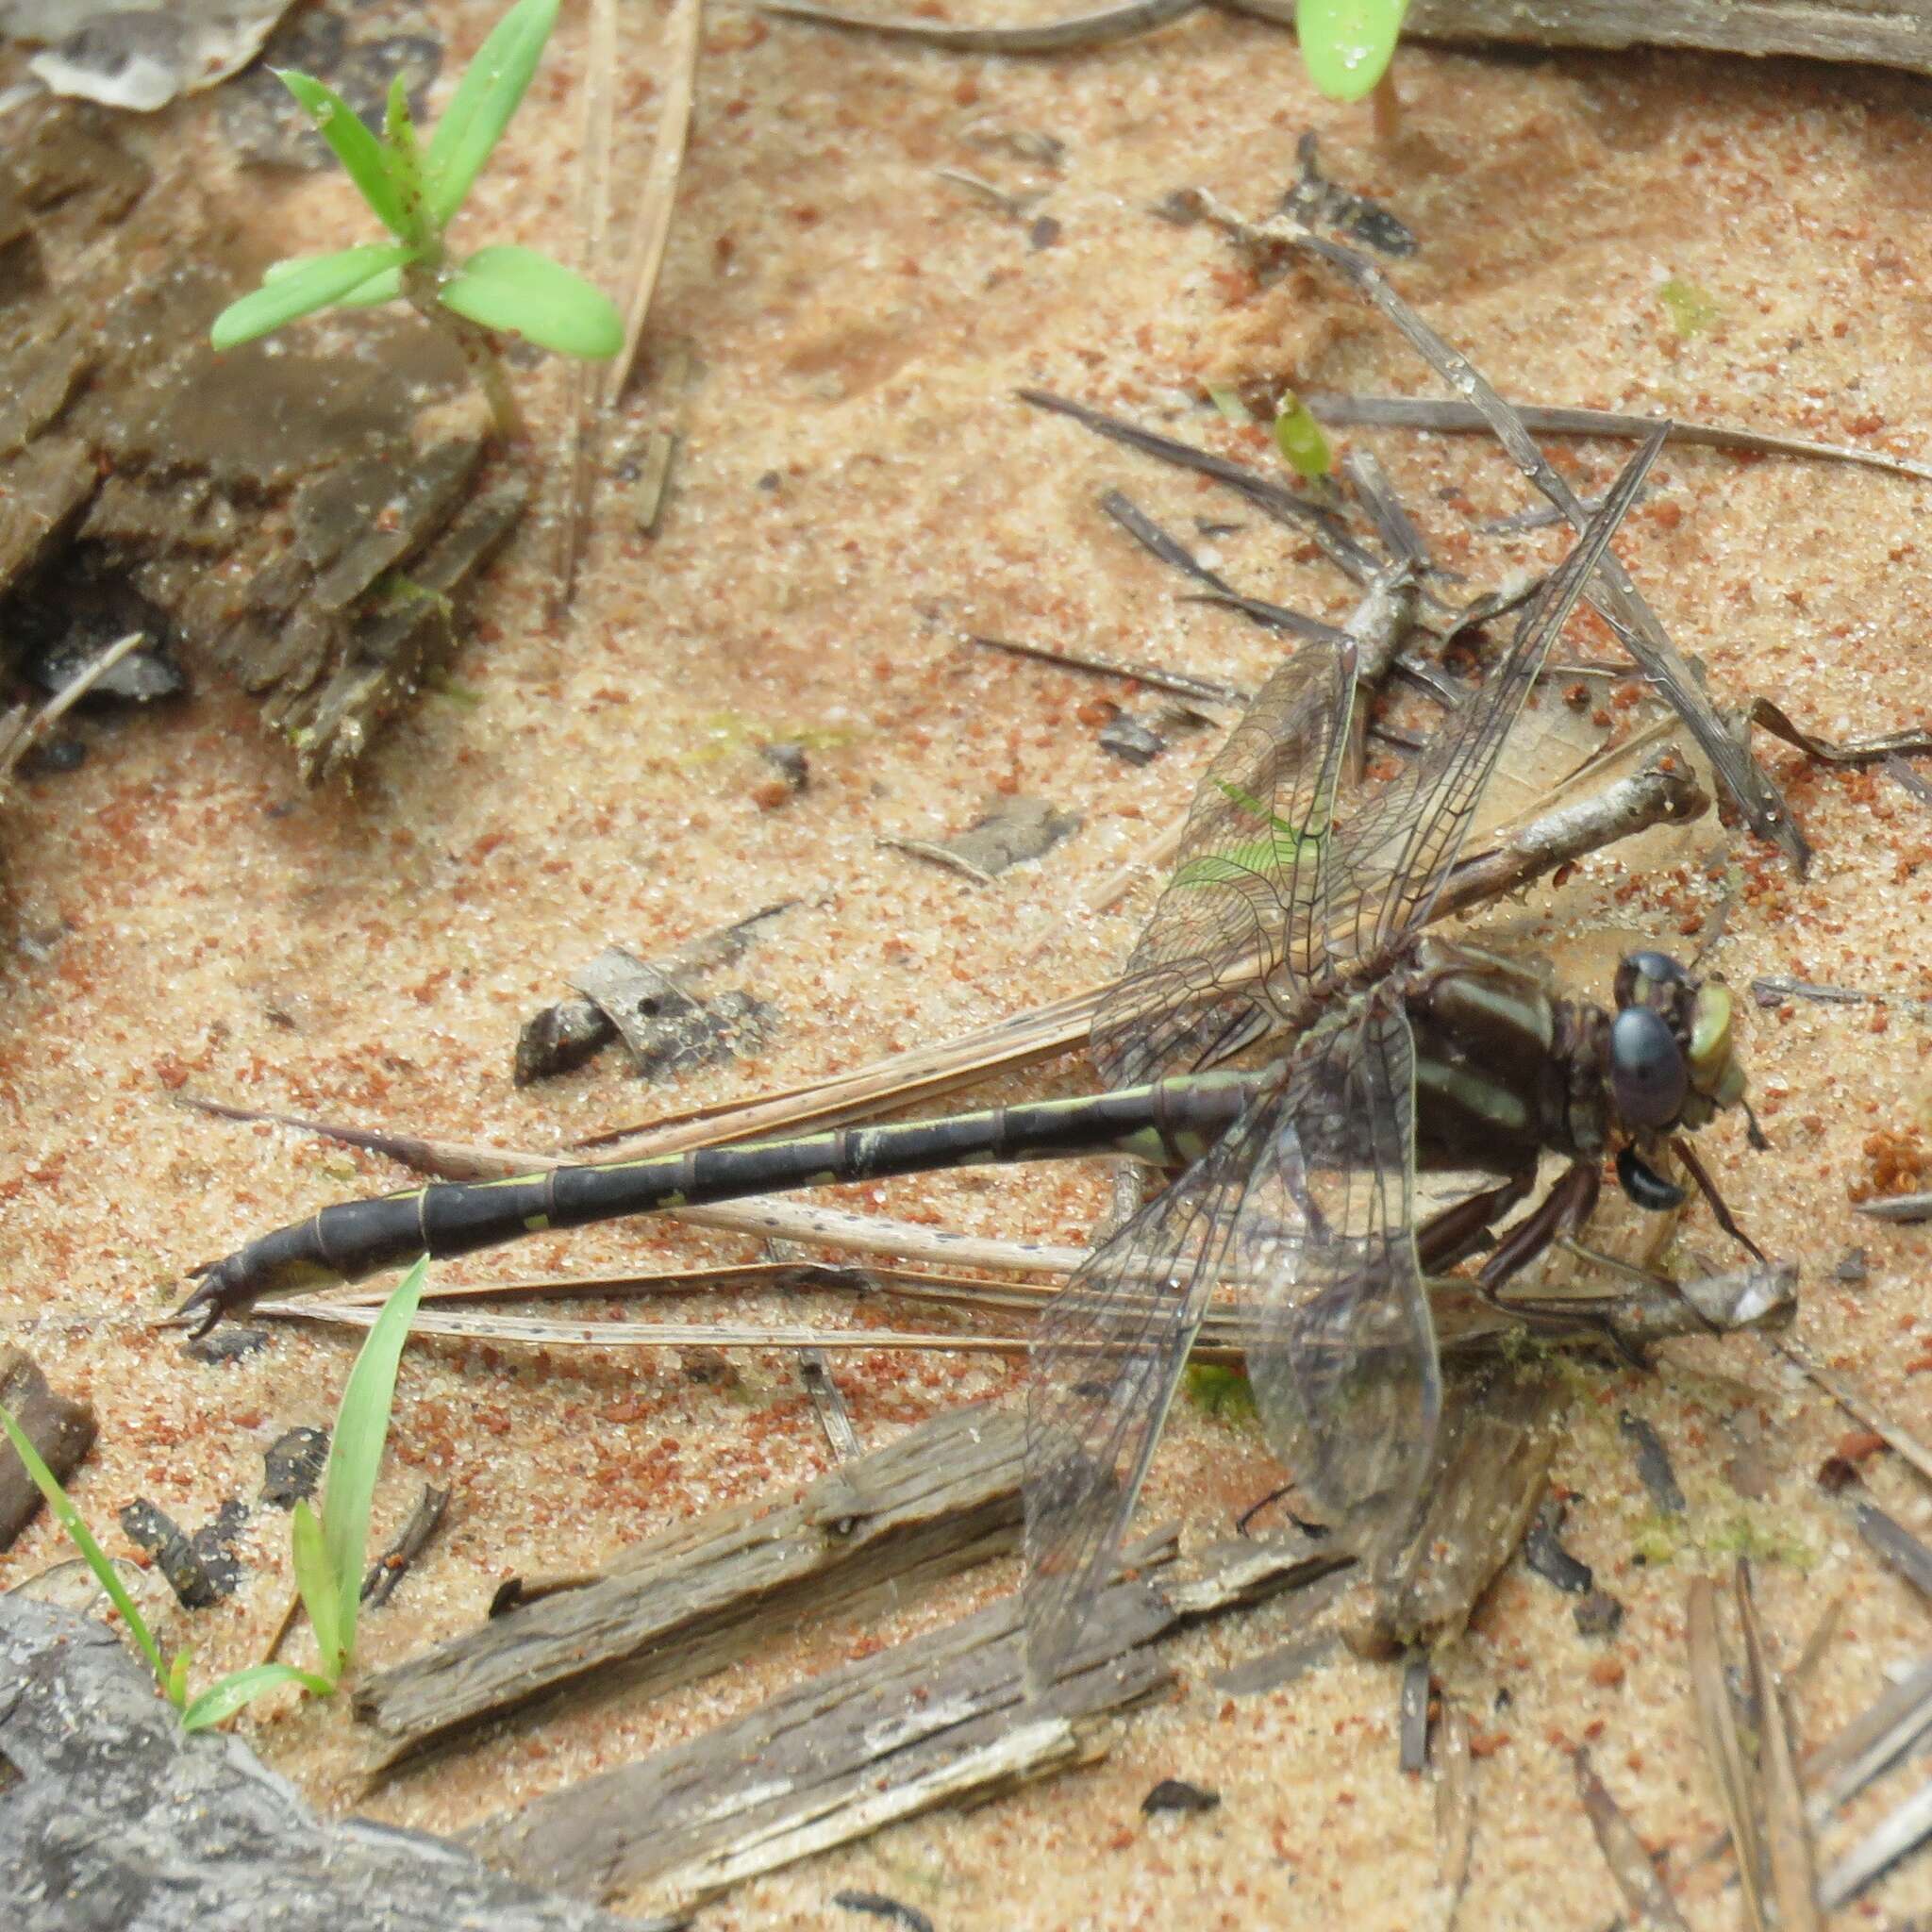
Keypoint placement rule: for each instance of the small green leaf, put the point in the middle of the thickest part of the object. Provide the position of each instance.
(295, 288)
(387, 287)
(224, 1697)
(517, 289)
(1227, 399)
(1299, 439)
(315, 1582)
(485, 97)
(1347, 44)
(1226, 1394)
(177, 1679)
(354, 147)
(403, 158)
(355, 1452)
(82, 1538)
(1691, 312)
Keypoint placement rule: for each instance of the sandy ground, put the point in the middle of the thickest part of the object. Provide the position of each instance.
(838, 339)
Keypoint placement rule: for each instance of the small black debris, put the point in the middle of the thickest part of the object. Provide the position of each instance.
(1126, 737)
(201, 1569)
(1549, 1559)
(1852, 1270)
(880, 1907)
(790, 761)
(1319, 203)
(226, 1345)
(1653, 1463)
(558, 1039)
(291, 1467)
(54, 758)
(1599, 1614)
(1177, 1794)
(1044, 232)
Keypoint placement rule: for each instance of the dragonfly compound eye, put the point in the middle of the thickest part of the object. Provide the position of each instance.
(1649, 1080)
(1640, 974)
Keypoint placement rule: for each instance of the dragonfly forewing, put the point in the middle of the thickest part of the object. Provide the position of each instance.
(1334, 1315)
(1231, 944)
(1383, 867)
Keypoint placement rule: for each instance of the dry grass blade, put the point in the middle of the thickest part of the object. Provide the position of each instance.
(1454, 1807)
(1897, 1544)
(1906, 1828)
(24, 728)
(679, 65)
(1453, 418)
(541, 1333)
(1645, 1894)
(578, 455)
(1055, 37)
(1786, 1831)
(1854, 1403)
(1717, 1719)
(1613, 593)
(594, 390)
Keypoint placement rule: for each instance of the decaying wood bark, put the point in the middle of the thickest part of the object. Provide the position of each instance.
(61, 1431)
(111, 1817)
(936, 1720)
(296, 514)
(1889, 34)
(677, 1607)
(1500, 1427)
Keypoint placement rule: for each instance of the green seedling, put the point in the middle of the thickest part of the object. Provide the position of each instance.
(416, 193)
(1300, 439)
(1691, 312)
(1347, 44)
(1224, 1394)
(329, 1555)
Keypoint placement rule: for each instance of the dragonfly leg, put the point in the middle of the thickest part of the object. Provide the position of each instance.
(1561, 1211)
(1707, 1188)
(1457, 1232)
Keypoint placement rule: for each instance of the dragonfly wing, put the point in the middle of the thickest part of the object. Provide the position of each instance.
(1335, 1318)
(1388, 862)
(1234, 935)
(1105, 1364)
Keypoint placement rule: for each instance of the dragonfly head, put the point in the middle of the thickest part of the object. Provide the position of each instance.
(1671, 1065)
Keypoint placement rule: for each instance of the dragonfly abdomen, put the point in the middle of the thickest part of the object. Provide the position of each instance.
(1170, 1122)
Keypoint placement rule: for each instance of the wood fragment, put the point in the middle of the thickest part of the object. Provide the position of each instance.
(1412, 1715)
(389, 1568)
(1645, 1894)
(122, 1820)
(938, 1720)
(1495, 1443)
(676, 1608)
(60, 1429)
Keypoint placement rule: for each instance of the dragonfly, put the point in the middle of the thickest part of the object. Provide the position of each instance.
(1295, 1176)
